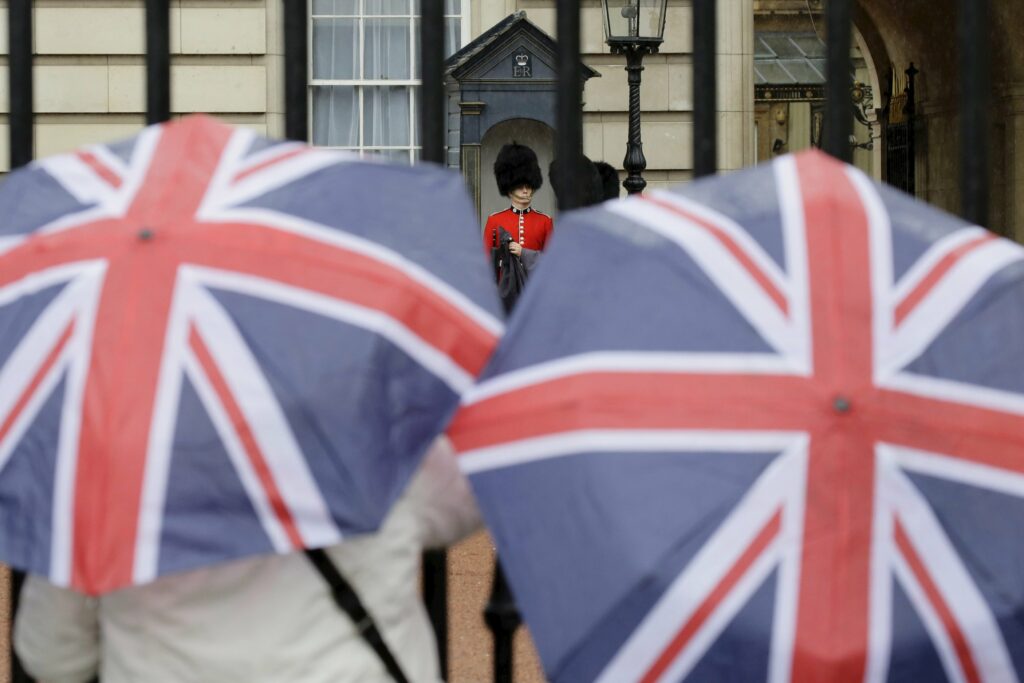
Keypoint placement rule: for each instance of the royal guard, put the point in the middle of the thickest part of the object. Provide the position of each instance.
(518, 175)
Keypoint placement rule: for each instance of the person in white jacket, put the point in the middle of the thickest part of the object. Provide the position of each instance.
(267, 619)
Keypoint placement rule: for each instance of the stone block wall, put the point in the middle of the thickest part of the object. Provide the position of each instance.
(227, 59)
(90, 68)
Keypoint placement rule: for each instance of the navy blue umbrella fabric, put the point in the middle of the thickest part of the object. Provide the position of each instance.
(766, 426)
(214, 345)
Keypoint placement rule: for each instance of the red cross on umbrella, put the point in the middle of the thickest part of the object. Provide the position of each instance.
(836, 516)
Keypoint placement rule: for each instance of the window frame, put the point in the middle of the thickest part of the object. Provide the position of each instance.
(360, 85)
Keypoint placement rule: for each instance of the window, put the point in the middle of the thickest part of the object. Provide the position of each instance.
(365, 73)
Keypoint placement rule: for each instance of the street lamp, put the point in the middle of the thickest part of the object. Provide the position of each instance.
(634, 28)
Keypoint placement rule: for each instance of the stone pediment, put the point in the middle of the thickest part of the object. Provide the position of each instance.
(513, 50)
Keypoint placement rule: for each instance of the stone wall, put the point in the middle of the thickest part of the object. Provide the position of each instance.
(90, 67)
(227, 60)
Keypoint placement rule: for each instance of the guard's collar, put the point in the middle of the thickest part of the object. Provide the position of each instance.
(519, 211)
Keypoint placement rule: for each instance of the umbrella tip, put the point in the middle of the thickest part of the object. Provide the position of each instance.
(145, 234)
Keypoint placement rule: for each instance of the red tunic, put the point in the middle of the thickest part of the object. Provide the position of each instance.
(529, 227)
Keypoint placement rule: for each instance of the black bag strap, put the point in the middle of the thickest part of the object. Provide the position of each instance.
(348, 600)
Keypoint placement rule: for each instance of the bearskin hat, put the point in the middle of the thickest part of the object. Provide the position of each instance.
(517, 165)
(609, 180)
(587, 176)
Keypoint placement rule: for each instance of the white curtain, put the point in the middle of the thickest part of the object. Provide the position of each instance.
(386, 116)
(386, 53)
(386, 7)
(335, 116)
(452, 35)
(335, 48)
(335, 57)
(386, 49)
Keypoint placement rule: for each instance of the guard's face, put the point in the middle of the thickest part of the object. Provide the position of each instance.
(522, 194)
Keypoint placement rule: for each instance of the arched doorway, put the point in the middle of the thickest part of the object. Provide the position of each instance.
(534, 134)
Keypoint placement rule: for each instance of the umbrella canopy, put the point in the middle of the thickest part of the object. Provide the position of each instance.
(213, 345)
(781, 439)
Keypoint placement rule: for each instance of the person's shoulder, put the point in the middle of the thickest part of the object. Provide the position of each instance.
(541, 214)
(496, 215)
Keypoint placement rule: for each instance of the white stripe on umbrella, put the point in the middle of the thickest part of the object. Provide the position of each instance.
(80, 350)
(945, 301)
(735, 282)
(364, 247)
(631, 362)
(161, 436)
(392, 329)
(946, 569)
(769, 496)
(255, 398)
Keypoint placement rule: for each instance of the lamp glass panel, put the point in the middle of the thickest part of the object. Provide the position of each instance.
(626, 19)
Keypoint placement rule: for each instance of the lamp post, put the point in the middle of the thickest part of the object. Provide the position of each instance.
(634, 28)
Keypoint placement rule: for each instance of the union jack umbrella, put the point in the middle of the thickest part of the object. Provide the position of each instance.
(780, 437)
(213, 345)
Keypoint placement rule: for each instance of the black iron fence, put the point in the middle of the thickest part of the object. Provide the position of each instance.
(899, 121)
(975, 90)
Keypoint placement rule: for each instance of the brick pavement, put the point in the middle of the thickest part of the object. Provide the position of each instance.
(470, 570)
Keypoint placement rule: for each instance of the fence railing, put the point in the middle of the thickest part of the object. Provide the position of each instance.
(975, 90)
